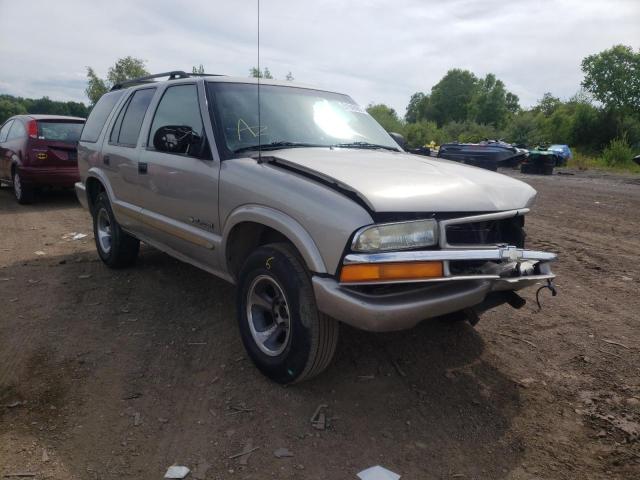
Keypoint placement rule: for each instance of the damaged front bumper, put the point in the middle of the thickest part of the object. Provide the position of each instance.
(471, 277)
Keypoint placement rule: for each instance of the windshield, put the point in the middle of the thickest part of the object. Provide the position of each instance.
(290, 117)
(62, 131)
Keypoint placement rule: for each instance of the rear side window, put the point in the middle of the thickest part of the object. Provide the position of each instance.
(127, 126)
(59, 131)
(99, 115)
(17, 130)
(179, 107)
(4, 131)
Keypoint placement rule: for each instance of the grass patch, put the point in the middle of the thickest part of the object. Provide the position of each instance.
(583, 161)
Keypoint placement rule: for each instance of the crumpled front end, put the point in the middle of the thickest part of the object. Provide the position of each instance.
(478, 263)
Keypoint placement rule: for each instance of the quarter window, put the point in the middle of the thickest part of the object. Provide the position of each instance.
(17, 130)
(179, 107)
(4, 131)
(98, 116)
(127, 126)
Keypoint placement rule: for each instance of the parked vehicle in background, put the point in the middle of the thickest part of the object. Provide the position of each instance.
(637, 159)
(540, 161)
(563, 152)
(311, 209)
(39, 151)
(489, 154)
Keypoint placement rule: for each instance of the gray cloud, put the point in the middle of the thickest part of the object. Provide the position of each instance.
(377, 51)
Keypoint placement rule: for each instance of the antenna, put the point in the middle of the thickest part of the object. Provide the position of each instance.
(259, 75)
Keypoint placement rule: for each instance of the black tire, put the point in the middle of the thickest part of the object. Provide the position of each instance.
(306, 341)
(122, 249)
(525, 169)
(24, 193)
(547, 170)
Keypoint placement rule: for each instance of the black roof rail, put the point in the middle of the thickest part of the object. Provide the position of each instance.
(205, 75)
(174, 75)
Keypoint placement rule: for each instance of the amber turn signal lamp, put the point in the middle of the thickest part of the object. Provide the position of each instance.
(375, 272)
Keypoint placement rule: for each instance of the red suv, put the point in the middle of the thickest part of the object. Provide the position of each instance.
(38, 151)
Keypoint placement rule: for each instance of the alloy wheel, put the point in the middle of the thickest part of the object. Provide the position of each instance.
(268, 315)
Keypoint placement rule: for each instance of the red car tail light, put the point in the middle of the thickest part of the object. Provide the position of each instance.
(32, 129)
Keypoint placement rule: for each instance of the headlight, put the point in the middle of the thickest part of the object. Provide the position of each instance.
(396, 236)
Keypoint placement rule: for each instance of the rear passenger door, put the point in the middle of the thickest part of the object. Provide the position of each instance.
(180, 190)
(5, 153)
(120, 150)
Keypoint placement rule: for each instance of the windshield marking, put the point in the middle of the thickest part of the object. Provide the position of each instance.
(259, 130)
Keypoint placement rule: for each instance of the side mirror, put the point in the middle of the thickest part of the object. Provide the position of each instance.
(399, 139)
(176, 139)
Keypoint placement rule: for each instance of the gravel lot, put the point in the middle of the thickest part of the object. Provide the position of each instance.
(113, 375)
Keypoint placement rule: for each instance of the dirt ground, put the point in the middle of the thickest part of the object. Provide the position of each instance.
(119, 374)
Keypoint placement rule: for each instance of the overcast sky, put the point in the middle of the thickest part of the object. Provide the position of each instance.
(376, 51)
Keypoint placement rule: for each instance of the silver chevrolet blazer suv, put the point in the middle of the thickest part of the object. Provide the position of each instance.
(302, 200)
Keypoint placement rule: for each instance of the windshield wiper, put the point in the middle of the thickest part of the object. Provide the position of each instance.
(277, 145)
(365, 145)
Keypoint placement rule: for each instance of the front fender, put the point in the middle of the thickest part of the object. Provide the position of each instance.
(280, 222)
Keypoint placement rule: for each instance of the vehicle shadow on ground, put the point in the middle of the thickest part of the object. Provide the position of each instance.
(48, 200)
(161, 340)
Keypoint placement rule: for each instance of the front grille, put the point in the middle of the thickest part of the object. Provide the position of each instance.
(490, 232)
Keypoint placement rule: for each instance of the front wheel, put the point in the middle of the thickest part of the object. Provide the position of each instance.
(286, 336)
(116, 248)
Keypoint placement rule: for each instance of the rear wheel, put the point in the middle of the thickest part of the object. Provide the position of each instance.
(286, 336)
(547, 170)
(24, 193)
(116, 248)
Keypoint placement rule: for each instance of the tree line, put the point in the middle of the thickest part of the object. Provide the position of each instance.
(10, 106)
(462, 107)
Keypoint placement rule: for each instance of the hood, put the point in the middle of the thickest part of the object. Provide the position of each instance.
(399, 182)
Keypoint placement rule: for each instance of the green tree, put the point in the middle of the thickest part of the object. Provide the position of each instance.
(289, 77)
(9, 106)
(125, 68)
(96, 87)
(416, 110)
(523, 129)
(77, 109)
(386, 116)
(489, 104)
(422, 133)
(548, 104)
(613, 77)
(451, 97)
(512, 102)
(255, 72)
(199, 70)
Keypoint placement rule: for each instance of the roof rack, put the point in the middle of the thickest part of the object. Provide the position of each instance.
(173, 75)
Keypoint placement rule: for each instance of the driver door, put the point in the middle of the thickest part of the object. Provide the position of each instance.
(179, 189)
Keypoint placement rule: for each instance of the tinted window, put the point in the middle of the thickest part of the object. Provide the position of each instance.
(17, 130)
(127, 126)
(178, 107)
(99, 115)
(115, 131)
(4, 131)
(60, 131)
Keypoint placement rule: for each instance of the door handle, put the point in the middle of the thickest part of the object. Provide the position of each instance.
(142, 167)
(106, 160)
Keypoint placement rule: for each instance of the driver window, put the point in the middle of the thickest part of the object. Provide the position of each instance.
(178, 108)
